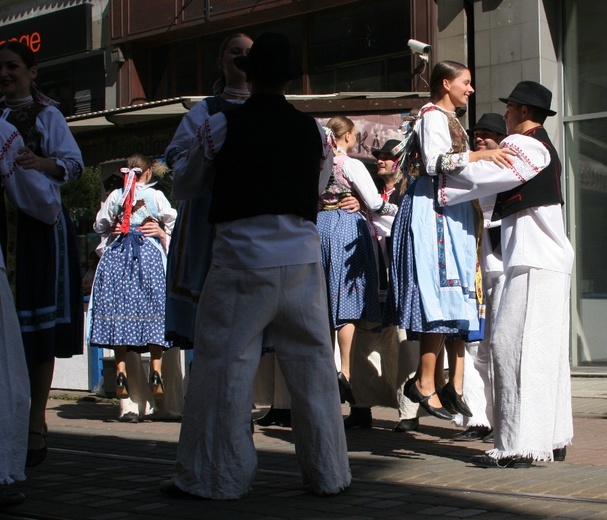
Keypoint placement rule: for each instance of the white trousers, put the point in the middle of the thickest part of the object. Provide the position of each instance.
(478, 365)
(530, 343)
(216, 456)
(14, 389)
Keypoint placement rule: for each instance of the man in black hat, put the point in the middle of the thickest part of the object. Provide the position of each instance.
(488, 132)
(265, 164)
(530, 341)
(530, 338)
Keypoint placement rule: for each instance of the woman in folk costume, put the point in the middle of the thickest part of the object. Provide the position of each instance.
(42, 260)
(348, 253)
(128, 297)
(190, 251)
(434, 280)
(34, 194)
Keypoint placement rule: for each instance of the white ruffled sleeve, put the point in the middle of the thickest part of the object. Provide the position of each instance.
(31, 191)
(197, 176)
(105, 215)
(166, 214)
(435, 143)
(360, 179)
(58, 143)
(484, 178)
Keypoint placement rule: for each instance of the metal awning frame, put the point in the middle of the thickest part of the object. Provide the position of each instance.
(321, 104)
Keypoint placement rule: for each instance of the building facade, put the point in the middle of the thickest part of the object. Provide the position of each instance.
(133, 68)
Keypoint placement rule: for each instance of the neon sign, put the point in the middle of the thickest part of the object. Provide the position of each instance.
(39, 33)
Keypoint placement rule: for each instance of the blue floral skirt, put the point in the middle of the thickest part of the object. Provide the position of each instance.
(128, 296)
(348, 259)
(404, 306)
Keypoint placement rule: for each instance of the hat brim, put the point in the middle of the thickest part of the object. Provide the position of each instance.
(489, 127)
(523, 102)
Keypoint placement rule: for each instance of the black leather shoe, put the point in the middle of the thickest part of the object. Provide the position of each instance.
(358, 418)
(345, 390)
(129, 417)
(490, 438)
(278, 416)
(485, 461)
(559, 454)
(122, 388)
(35, 456)
(157, 385)
(474, 433)
(10, 498)
(406, 425)
(446, 403)
(412, 392)
(450, 398)
(169, 488)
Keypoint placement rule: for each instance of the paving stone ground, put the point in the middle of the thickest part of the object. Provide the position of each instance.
(100, 469)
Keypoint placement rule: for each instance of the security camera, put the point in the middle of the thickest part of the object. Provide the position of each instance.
(418, 47)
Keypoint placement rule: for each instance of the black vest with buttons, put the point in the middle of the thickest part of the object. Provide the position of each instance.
(543, 190)
(269, 162)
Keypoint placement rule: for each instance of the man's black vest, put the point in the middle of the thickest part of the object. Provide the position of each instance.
(269, 162)
(543, 190)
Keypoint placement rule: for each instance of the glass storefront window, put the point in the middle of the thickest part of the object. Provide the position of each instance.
(586, 164)
(584, 57)
(360, 48)
(584, 65)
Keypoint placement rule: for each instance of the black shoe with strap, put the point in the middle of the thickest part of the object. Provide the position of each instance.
(452, 400)
(412, 392)
(122, 387)
(345, 390)
(157, 385)
(35, 456)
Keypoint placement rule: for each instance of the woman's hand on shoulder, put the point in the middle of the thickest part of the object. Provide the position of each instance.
(501, 156)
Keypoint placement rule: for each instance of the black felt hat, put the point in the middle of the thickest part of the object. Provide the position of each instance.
(270, 57)
(389, 149)
(491, 121)
(532, 94)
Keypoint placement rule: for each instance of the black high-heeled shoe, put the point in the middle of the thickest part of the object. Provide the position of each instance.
(157, 385)
(345, 390)
(451, 399)
(35, 456)
(122, 388)
(412, 392)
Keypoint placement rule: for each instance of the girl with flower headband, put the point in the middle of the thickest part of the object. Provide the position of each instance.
(127, 304)
(42, 259)
(348, 253)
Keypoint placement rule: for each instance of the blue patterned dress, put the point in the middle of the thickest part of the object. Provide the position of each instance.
(128, 296)
(348, 252)
(434, 257)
